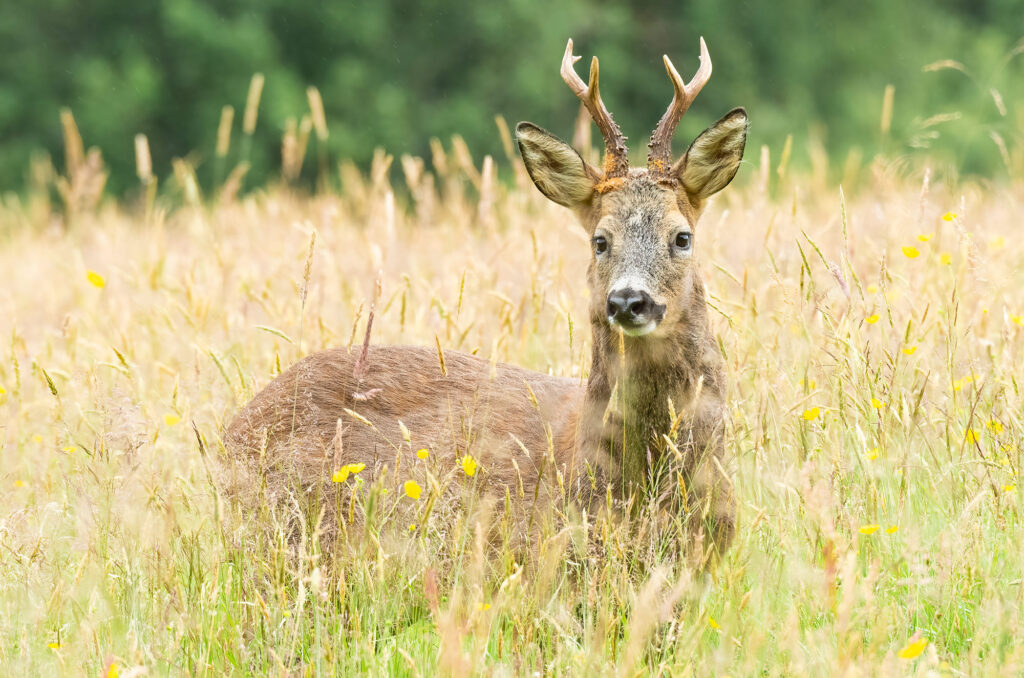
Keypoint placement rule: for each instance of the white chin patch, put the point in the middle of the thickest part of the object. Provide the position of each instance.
(646, 328)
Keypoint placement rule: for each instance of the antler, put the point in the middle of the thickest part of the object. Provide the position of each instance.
(659, 158)
(616, 162)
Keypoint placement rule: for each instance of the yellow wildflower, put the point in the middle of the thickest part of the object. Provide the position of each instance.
(946, 258)
(911, 252)
(1009, 488)
(468, 465)
(877, 404)
(19, 483)
(925, 237)
(423, 453)
(342, 474)
(483, 607)
(997, 243)
(171, 419)
(913, 649)
(713, 624)
(970, 436)
(872, 289)
(892, 529)
(871, 319)
(96, 279)
(949, 216)
(963, 381)
(812, 413)
(872, 454)
(112, 671)
(413, 489)
(909, 350)
(69, 448)
(1018, 319)
(412, 527)
(868, 529)
(53, 646)
(995, 425)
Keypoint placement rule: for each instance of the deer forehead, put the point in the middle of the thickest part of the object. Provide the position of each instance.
(642, 208)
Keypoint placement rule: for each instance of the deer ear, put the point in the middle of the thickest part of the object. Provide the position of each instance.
(555, 167)
(714, 157)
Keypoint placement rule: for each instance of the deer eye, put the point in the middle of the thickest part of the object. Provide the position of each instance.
(600, 244)
(684, 240)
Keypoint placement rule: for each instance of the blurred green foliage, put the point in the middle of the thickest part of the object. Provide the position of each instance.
(394, 73)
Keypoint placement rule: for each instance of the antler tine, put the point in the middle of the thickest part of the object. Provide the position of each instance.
(616, 160)
(659, 158)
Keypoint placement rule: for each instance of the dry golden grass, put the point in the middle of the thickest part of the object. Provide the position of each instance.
(876, 427)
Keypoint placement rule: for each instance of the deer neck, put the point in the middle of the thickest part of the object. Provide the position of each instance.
(626, 413)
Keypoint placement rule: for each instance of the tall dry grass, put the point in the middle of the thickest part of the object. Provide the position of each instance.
(871, 339)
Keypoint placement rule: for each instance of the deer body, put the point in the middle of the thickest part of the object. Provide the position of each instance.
(470, 408)
(654, 398)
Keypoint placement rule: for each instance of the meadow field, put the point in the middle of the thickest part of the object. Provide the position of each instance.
(873, 336)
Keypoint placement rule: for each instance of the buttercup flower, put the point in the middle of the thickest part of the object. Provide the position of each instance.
(413, 489)
(342, 474)
(913, 649)
(468, 465)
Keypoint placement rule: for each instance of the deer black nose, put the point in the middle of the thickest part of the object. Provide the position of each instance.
(629, 306)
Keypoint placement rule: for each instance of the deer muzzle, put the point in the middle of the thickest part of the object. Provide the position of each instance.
(635, 311)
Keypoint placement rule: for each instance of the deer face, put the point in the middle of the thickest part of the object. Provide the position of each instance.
(641, 226)
(642, 257)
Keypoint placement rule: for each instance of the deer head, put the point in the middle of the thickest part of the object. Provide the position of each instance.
(641, 221)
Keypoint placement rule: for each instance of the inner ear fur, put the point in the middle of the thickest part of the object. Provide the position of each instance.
(558, 171)
(714, 157)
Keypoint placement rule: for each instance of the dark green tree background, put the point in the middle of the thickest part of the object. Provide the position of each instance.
(395, 73)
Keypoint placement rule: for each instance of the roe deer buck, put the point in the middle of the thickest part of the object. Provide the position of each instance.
(655, 390)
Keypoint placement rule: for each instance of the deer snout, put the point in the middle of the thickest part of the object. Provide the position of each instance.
(635, 311)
